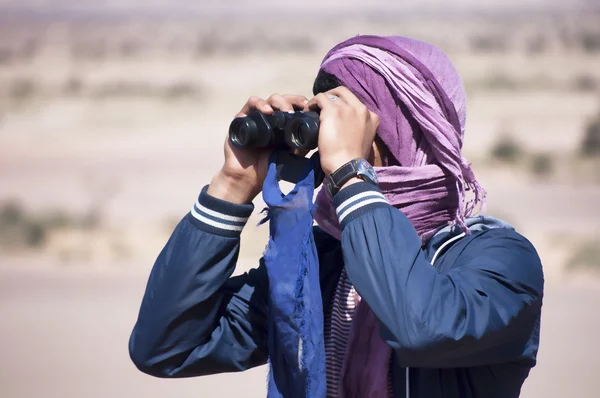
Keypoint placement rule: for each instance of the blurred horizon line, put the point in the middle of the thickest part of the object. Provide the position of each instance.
(22, 12)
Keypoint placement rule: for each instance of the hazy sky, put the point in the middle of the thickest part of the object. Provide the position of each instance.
(269, 6)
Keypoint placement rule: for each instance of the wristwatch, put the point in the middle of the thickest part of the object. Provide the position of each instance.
(355, 168)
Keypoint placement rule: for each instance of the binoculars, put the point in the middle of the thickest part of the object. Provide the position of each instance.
(298, 130)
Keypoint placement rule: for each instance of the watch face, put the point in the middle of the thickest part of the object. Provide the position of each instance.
(365, 169)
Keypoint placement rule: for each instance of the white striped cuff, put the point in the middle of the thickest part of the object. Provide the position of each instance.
(357, 199)
(218, 216)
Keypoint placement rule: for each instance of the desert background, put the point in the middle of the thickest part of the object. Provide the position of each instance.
(113, 116)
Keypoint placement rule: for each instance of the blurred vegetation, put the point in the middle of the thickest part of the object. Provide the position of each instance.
(506, 149)
(590, 145)
(203, 37)
(585, 83)
(22, 230)
(217, 43)
(489, 43)
(589, 41)
(586, 256)
(73, 86)
(24, 89)
(542, 165)
(21, 89)
(98, 41)
(502, 81)
(120, 89)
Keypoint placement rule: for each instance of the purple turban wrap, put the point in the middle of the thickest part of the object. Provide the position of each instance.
(420, 100)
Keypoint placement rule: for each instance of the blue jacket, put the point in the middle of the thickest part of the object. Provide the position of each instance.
(466, 326)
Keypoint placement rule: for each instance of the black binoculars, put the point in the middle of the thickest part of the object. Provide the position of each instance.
(298, 130)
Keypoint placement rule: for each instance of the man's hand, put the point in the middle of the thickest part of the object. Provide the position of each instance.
(347, 128)
(244, 171)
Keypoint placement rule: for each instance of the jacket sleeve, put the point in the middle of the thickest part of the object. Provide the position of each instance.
(481, 312)
(194, 318)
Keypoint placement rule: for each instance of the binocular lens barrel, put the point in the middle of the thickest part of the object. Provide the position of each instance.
(245, 133)
(239, 131)
(257, 130)
(303, 133)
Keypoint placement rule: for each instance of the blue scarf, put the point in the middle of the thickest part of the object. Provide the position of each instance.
(295, 312)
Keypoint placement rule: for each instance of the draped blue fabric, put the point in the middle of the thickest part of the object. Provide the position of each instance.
(295, 313)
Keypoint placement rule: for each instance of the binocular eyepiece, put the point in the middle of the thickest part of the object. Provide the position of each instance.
(298, 130)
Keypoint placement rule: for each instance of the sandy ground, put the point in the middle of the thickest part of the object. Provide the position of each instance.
(64, 335)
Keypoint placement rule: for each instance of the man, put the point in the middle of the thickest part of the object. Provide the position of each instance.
(421, 300)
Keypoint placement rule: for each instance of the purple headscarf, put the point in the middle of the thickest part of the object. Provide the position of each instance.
(420, 100)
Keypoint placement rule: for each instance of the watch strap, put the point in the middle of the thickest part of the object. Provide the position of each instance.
(349, 170)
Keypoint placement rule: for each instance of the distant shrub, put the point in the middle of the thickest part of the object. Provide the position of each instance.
(590, 146)
(301, 44)
(542, 165)
(183, 90)
(212, 43)
(586, 256)
(243, 46)
(57, 220)
(537, 44)
(120, 89)
(11, 213)
(506, 149)
(73, 86)
(489, 43)
(129, 48)
(590, 41)
(96, 50)
(91, 220)
(20, 230)
(124, 89)
(585, 83)
(17, 230)
(500, 81)
(208, 44)
(22, 89)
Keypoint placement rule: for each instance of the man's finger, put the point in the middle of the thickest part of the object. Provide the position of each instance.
(347, 96)
(256, 103)
(298, 101)
(280, 102)
(321, 102)
(288, 102)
